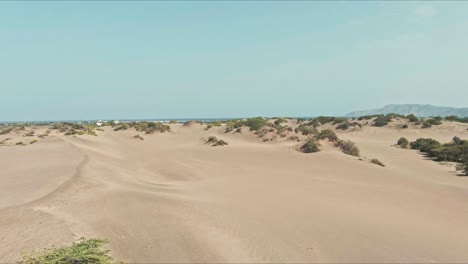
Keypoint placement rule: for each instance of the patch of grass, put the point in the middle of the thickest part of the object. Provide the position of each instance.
(377, 162)
(403, 142)
(19, 143)
(310, 146)
(173, 122)
(32, 142)
(84, 251)
(348, 147)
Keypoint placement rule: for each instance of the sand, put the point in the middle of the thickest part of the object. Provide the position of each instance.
(172, 198)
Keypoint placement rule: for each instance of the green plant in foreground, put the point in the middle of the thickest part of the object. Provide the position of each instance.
(84, 251)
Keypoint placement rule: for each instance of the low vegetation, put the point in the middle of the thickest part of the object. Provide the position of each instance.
(328, 134)
(6, 130)
(214, 141)
(455, 151)
(403, 142)
(431, 122)
(377, 162)
(310, 146)
(138, 137)
(348, 147)
(381, 121)
(84, 251)
(71, 129)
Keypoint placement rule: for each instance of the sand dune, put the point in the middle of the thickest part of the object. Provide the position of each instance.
(172, 198)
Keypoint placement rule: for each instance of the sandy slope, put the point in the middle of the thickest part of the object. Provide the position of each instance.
(171, 198)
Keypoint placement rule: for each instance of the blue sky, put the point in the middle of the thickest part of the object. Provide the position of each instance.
(123, 59)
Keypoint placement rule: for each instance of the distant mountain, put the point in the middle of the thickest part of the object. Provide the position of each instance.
(416, 109)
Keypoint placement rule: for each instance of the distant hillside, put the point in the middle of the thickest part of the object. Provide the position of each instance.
(416, 109)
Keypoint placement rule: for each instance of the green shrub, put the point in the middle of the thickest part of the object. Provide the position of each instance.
(404, 126)
(425, 144)
(457, 119)
(403, 142)
(256, 123)
(138, 137)
(306, 130)
(412, 118)
(327, 134)
(121, 127)
(367, 117)
(84, 251)
(343, 126)
(377, 162)
(310, 146)
(348, 147)
(173, 122)
(430, 122)
(381, 121)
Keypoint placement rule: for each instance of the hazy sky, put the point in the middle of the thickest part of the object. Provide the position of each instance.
(123, 59)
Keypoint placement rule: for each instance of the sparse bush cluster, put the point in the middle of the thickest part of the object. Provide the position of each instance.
(84, 251)
(431, 122)
(146, 127)
(455, 151)
(348, 147)
(348, 124)
(328, 134)
(70, 129)
(306, 130)
(150, 127)
(214, 141)
(457, 119)
(311, 145)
